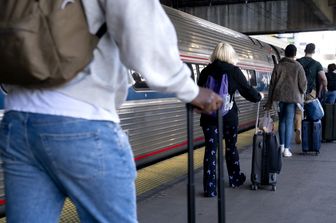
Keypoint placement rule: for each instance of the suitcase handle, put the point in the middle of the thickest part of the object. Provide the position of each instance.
(191, 184)
(220, 167)
(258, 114)
(257, 120)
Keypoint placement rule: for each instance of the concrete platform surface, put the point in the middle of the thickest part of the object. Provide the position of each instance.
(306, 193)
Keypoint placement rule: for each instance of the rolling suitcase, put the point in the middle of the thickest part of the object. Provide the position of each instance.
(220, 167)
(311, 136)
(266, 158)
(329, 122)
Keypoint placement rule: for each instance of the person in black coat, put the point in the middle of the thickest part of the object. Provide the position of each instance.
(223, 60)
(331, 77)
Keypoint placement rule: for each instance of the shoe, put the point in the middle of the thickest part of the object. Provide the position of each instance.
(298, 136)
(213, 194)
(282, 147)
(241, 180)
(287, 153)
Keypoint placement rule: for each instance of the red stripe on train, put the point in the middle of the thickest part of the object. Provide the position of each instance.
(166, 149)
(2, 202)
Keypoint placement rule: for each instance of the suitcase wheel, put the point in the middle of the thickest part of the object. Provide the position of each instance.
(254, 187)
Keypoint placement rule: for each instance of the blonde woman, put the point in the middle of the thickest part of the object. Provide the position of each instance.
(223, 61)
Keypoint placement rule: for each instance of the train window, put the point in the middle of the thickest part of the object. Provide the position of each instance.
(139, 82)
(194, 72)
(263, 81)
(201, 67)
(250, 77)
(253, 78)
(246, 74)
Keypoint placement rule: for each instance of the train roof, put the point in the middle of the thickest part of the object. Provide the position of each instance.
(199, 37)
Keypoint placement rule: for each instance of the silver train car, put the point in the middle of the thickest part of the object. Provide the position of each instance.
(156, 122)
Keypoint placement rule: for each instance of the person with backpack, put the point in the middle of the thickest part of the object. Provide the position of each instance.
(287, 87)
(316, 83)
(331, 77)
(223, 76)
(62, 138)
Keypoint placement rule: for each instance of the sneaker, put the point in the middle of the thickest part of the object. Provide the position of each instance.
(240, 181)
(298, 136)
(287, 153)
(213, 194)
(282, 147)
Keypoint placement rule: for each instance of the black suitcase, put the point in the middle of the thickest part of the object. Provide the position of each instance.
(329, 122)
(311, 136)
(266, 158)
(220, 169)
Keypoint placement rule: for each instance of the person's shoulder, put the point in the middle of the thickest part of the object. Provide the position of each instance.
(300, 60)
(304, 61)
(317, 63)
(297, 63)
(222, 67)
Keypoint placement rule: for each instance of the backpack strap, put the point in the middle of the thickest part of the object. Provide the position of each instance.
(102, 30)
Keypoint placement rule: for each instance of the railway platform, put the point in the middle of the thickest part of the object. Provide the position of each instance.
(305, 194)
(305, 191)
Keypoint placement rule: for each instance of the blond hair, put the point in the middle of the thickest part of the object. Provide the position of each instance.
(224, 52)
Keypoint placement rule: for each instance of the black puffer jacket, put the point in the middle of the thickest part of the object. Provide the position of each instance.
(236, 80)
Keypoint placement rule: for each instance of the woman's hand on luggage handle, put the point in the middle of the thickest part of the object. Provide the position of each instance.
(207, 101)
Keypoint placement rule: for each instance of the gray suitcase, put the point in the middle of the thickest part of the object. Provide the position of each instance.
(266, 158)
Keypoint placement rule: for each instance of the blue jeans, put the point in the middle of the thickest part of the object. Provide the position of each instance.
(331, 97)
(48, 158)
(286, 122)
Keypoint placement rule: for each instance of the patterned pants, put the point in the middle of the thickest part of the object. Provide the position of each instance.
(209, 162)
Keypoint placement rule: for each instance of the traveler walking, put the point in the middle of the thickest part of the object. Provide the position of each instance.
(331, 77)
(287, 87)
(221, 68)
(316, 83)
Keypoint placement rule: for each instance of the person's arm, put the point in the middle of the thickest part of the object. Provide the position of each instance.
(323, 82)
(147, 43)
(244, 88)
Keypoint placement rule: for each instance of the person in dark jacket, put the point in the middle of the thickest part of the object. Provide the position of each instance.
(288, 85)
(331, 77)
(223, 60)
(316, 84)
